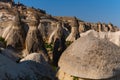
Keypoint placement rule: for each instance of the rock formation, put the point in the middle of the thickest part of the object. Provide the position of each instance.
(91, 58)
(22, 71)
(114, 37)
(8, 71)
(27, 30)
(14, 35)
(74, 31)
(38, 64)
(100, 27)
(34, 41)
(58, 40)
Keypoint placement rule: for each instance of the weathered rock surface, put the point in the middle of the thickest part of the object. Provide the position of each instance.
(28, 30)
(114, 37)
(74, 31)
(58, 40)
(38, 64)
(34, 41)
(11, 54)
(14, 35)
(91, 58)
(12, 71)
(99, 27)
(32, 68)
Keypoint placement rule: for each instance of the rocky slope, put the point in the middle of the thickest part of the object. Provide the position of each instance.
(26, 30)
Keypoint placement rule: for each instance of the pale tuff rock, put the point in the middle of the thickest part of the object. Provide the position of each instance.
(14, 35)
(63, 76)
(58, 40)
(34, 41)
(37, 57)
(23, 35)
(100, 27)
(53, 33)
(25, 70)
(46, 29)
(114, 37)
(56, 34)
(74, 31)
(43, 30)
(5, 30)
(12, 71)
(40, 66)
(91, 58)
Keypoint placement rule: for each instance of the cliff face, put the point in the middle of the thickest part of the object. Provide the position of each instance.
(28, 30)
(84, 26)
(69, 28)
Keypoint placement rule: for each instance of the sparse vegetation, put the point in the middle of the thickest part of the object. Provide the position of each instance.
(2, 40)
(67, 43)
(75, 78)
(49, 46)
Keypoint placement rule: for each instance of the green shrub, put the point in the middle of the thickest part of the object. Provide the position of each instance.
(67, 43)
(75, 78)
(49, 46)
(2, 40)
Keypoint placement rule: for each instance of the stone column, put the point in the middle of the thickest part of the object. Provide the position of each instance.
(74, 31)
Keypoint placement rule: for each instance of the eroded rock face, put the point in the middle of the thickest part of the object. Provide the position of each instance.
(58, 40)
(91, 58)
(46, 29)
(12, 71)
(114, 37)
(22, 33)
(27, 69)
(53, 34)
(63, 76)
(14, 35)
(37, 62)
(99, 27)
(74, 31)
(34, 41)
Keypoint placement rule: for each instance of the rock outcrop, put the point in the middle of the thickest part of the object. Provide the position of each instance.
(91, 58)
(25, 70)
(14, 35)
(34, 41)
(74, 34)
(12, 71)
(99, 27)
(58, 40)
(38, 64)
(27, 30)
(114, 37)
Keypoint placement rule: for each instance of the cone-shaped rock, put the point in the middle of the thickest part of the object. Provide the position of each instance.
(58, 40)
(34, 41)
(91, 58)
(57, 33)
(74, 31)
